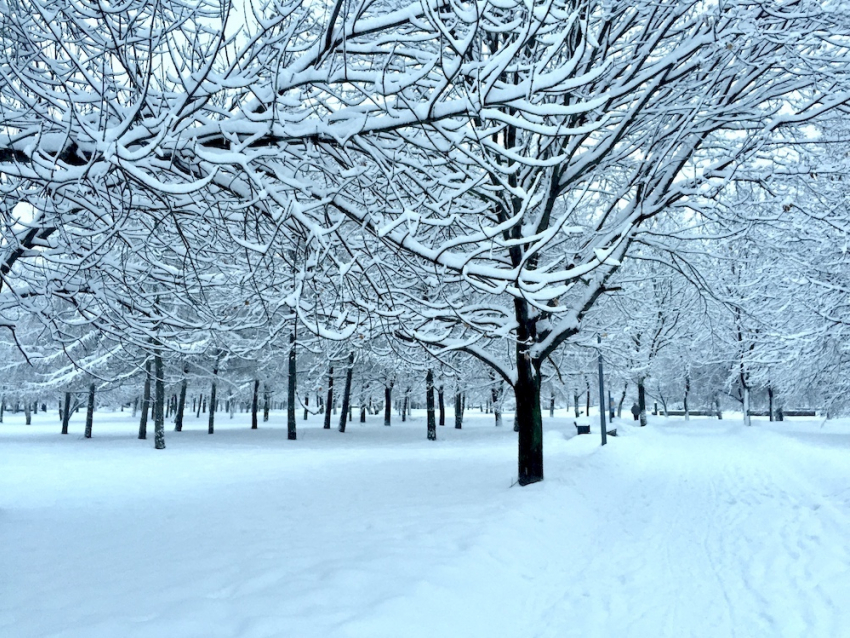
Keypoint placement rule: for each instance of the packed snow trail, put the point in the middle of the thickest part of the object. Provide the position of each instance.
(678, 529)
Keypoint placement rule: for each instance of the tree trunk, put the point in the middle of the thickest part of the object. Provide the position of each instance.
(442, 405)
(770, 402)
(255, 400)
(746, 402)
(622, 398)
(28, 414)
(181, 404)
(211, 420)
(404, 405)
(529, 419)
(687, 392)
(587, 409)
(429, 406)
(642, 402)
(330, 399)
(362, 409)
(458, 410)
(2, 408)
(552, 405)
(306, 405)
(291, 434)
(146, 402)
(717, 411)
(66, 413)
(266, 399)
(494, 398)
(388, 404)
(159, 404)
(346, 395)
(575, 403)
(89, 411)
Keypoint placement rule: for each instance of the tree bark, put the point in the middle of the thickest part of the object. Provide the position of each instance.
(159, 404)
(404, 405)
(388, 404)
(346, 395)
(266, 399)
(255, 400)
(146, 402)
(66, 413)
(330, 398)
(89, 411)
(552, 405)
(211, 420)
(458, 410)
(429, 406)
(362, 409)
(442, 405)
(575, 403)
(642, 401)
(306, 405)
(291, 434)
(770, 402)
(529, 419)
(181, 404)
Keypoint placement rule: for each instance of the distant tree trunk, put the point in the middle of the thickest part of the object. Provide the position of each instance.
(346, 395)
(204, 405)
(181, 404)
(27, 414)
(306, 405)
(388, 403)
(89, 412)
(159, 404)
(362, 409)
(552, 405)
(211, 420)
(587, 410)
(255, 400)
(685, 400)
(770, 402)
(717, 411)
(135, 406)
(330, 399)
(405, 404)
(746, 402)
(146, 402)
(291, 434)
(266, 400)
(575, 403)
(66, 414)
(429, 406)
(442, 405)
(642, 401)
(458, 410)
(2, 408)
(494, 398)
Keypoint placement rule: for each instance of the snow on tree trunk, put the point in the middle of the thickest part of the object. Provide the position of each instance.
(291, 433)
(494, 399)
(146, 402)
(346, 394)
(429, 406)
(89, 411)
(159, 404)
(255, 404)
(458, 410)
(330, 399)
(388, 404)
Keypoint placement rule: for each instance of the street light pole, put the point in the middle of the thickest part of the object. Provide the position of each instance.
(601, 393)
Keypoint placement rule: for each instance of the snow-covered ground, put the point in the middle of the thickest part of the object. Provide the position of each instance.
(678, 529)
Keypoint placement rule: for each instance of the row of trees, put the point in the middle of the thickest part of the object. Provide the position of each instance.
(435, 184)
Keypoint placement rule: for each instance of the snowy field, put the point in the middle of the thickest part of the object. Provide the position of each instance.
(678, 529)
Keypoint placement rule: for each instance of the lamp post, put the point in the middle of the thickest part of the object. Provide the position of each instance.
(601, 392)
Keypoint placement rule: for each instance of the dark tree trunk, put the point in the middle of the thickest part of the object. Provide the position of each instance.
(181, 404)
(429, 406)
(362, 409)
(587, 408)
(552, 405)
(159, 404)
(529, 419)
(458, 410)
(2, 408)
(770, 401)
(291, 433)
(442, 405)
(89, 411)
(66, 413)
(211, 420)
(266, 400)
(27, 414)
(685, 400)
(255, 404)
(146, 402)
(346, 395)
(306, 405)
(642, 402)
(330, 399)
(388, 404)
(404, 405)
(204, 406)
